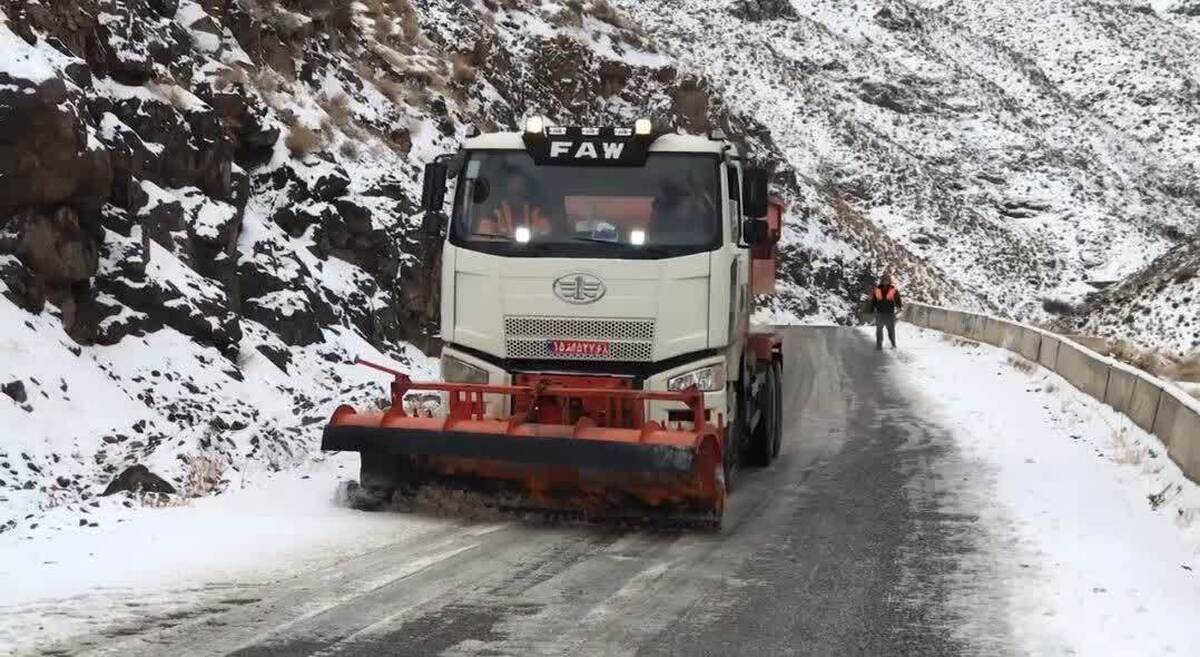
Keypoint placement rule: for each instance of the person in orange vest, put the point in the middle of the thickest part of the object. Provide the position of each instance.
(516, 210)
(885, 301)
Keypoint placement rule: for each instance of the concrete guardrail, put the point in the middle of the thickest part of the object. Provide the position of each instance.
(1155, 405)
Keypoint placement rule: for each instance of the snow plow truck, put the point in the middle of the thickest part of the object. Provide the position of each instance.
(597, 287)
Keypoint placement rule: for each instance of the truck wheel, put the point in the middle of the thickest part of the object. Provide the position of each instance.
(761, 450)
(734, 440)
(377, 481)
(777, 441)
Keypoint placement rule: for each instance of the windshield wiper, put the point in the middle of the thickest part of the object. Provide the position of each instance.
(596, 240)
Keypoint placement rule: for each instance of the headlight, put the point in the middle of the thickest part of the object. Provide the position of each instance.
(707, 379)
(457, 371)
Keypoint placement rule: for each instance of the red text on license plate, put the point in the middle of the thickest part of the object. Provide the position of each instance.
(593, 348)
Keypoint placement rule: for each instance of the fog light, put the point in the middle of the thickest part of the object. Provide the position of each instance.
(522, 234)
(643, 127)
(637, 237)
(535, 124)
(706, 379)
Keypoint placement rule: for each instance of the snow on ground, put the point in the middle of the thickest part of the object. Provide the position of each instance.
(164, 560)
(92, 411)
(1092, 533)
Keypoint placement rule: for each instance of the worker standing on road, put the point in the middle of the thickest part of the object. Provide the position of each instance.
(885, 302)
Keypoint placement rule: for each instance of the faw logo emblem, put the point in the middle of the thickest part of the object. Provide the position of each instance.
(587, 150)
(579, 288)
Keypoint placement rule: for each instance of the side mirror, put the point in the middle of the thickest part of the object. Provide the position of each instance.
(433, 194)
(755, 193)
(756, 231)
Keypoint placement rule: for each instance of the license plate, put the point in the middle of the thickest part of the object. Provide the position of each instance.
(593, 348)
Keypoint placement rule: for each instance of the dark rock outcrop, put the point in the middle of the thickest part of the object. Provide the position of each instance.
(15, 390)
(138, 479)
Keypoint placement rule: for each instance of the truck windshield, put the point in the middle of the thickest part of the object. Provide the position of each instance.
(507, 205)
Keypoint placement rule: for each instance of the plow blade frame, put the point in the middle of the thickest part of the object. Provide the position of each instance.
(581, 466)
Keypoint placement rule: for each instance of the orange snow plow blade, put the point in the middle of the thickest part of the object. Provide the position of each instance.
(638, 472)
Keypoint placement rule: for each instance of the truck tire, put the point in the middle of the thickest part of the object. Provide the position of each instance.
(761, 450)
(378, 480)
(735, 439)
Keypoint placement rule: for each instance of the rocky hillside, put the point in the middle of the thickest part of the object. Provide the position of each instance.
(1155, 309)
(207, 206)
(206, 210)
(1028, 151)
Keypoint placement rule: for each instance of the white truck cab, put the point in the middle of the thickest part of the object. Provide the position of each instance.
(607, 256)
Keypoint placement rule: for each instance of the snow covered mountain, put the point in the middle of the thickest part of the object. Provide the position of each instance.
(206, 206)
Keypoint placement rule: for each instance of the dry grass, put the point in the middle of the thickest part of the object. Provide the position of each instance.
(203, 476)
(1156, 362)
(231, 76)
(1125, 453)
(302, 140)
(959, 341)
(266, 80)
(180, 98)
(340, 110)
(1187, 370)
(602, 11)
(1021, 365)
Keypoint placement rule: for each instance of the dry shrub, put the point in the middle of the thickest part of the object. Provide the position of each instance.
(1156, 362)
(302, 140)
(1187, 369)
(339, 109)
(602, 11)
(203, 476)
(349, 149)
(394, 90)
(266, 80)
(463, 71)
(387, 14)
(231, 76)
(180, 98)
(410, 22)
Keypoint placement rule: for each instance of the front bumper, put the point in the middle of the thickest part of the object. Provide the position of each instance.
(716, 403)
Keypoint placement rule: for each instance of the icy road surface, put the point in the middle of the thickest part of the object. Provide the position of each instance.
(934, 500)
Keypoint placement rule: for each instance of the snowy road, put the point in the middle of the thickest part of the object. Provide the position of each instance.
(913, 511)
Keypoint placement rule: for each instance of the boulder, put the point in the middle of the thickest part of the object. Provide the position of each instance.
(138, 479)
(16, 390)
(133, 39)
(58, 248)
(47, 157)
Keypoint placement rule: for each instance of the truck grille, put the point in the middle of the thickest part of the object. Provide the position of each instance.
(629, 339)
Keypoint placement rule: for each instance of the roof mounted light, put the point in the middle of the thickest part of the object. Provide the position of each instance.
(535, 124)
(643, 127)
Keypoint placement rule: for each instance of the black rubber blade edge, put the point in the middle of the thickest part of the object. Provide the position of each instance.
(563, 451)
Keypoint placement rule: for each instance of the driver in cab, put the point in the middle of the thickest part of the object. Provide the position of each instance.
(517, 209)
(676, 210)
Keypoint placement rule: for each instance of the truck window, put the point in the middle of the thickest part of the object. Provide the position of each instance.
(508, 205)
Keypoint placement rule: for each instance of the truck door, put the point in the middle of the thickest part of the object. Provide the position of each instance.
(739, 273)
